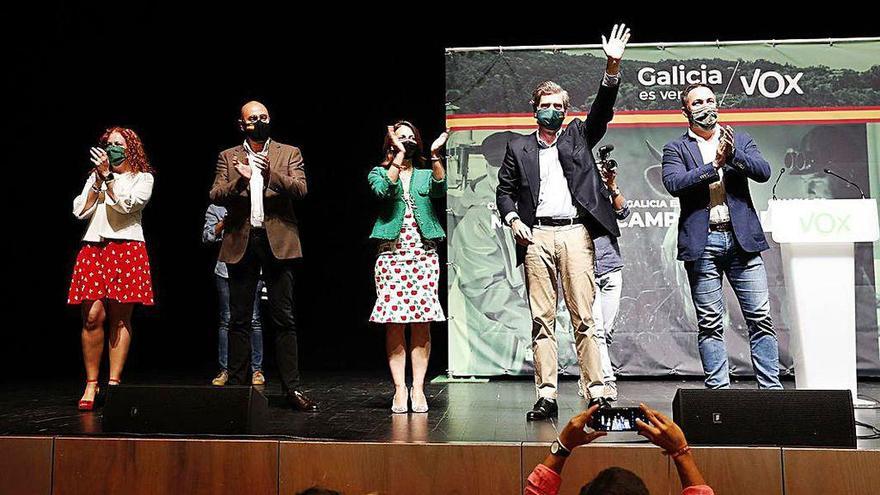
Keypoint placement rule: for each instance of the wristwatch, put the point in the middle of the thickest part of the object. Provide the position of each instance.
(557, 449)
(615, 193)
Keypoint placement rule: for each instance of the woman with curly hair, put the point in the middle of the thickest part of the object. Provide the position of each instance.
(112, 271)
(407, 269)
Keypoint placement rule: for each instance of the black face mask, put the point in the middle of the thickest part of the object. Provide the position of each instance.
(260, 132)
(411, 148)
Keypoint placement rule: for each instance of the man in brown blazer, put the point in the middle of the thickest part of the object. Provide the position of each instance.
(258, 182)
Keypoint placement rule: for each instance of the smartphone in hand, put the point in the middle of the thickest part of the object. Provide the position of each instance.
(617, 419)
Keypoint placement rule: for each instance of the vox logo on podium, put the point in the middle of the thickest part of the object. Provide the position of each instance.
(825, 223)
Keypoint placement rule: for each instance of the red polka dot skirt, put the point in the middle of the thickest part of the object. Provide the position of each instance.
(117, 270)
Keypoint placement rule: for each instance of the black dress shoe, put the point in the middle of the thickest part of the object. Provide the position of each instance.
(300, 402)
(603, 402)
(543, 409)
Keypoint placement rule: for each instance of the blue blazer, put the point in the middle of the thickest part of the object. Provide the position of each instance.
(687, 178)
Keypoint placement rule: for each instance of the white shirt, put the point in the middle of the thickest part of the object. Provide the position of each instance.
(120, 219)
(718, 211)
(256, 184)
(554, 197)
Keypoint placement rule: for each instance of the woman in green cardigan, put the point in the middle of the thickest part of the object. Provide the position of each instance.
(407, 266)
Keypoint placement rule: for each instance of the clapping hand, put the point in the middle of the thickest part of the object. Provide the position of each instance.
(262, 164)
(727, 141)
(398, 146)
(243, 169)
(439, 143)
(99, 159)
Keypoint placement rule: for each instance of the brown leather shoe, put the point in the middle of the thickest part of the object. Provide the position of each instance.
(300, 402)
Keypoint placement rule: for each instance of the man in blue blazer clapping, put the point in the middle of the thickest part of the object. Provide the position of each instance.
(708, 168)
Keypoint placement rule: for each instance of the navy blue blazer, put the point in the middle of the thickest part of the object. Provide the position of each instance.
(686, 177)
(519, 178)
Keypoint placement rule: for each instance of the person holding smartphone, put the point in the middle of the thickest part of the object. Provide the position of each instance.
(546, 478)
(112, 270)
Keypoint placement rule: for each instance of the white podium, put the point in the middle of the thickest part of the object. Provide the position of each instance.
(816, 237)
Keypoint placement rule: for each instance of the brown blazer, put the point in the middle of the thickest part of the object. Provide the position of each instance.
(287, 182)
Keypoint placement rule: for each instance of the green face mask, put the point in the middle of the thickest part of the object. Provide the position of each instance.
(550, 118)
(115, 154)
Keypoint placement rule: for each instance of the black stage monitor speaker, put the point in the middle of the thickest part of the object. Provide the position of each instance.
(789, 418)
(229, 410)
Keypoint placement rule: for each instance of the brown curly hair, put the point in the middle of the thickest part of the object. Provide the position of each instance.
(134, 153)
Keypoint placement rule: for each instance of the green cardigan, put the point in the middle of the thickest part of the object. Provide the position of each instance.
(422, 188)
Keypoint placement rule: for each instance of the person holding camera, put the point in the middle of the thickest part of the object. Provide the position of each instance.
(112, 270)
(609, 274)
(552, 197)
(407, 269)
(546, 478)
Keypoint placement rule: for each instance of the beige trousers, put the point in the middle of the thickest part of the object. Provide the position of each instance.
(565, 252)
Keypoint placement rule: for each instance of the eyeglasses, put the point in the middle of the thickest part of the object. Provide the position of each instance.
(253, 119)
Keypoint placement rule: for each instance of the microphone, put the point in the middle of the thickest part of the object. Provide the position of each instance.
(781, 171)
(831, 172)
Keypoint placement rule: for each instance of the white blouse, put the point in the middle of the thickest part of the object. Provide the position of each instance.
(120, 219)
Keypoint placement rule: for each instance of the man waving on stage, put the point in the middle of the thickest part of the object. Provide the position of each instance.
(708, 168)
(551, 195)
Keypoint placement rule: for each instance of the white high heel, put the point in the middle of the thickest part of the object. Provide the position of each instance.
(399, 408)
(418, 408)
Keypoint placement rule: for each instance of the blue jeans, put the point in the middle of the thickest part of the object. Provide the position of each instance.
(746, 275)
(223, 331)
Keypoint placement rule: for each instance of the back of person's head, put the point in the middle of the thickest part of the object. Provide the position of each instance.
(318, 491)
(615, 481)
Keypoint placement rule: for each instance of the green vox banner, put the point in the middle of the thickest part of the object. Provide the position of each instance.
(808, 105)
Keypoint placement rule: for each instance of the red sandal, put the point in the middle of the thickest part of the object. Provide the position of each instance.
(89, 405)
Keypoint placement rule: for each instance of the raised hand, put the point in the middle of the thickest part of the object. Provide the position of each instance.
(616, 43)
(439, 142)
